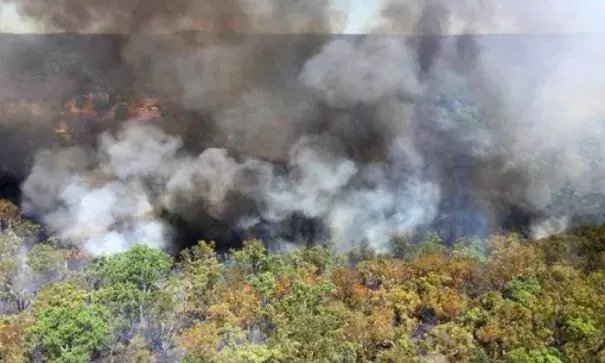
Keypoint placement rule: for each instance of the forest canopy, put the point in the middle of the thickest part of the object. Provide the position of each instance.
(499, 299)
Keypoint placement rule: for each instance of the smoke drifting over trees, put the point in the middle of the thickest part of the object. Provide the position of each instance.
(369, 136)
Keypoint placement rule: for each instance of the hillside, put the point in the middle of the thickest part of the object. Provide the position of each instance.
(302, 198)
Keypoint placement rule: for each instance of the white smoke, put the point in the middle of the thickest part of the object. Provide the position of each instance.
(549, 227)
(115, 203)
(344, 74)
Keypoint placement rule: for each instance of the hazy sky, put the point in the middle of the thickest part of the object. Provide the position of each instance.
(360, 13)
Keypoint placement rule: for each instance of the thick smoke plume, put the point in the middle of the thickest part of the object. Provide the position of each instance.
(364, 137)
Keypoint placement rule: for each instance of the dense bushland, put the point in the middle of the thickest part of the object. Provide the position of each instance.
(502, 299)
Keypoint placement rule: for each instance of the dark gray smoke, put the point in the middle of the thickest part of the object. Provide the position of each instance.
(369, 136)
(216, 17)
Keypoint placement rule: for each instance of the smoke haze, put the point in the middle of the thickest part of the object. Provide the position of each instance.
(365, 137)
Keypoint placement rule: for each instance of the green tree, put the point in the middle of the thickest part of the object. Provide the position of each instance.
(46, 260)
(140, 267)
(522, 355)
(200, 271)
(132, 287)
(68, 334)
